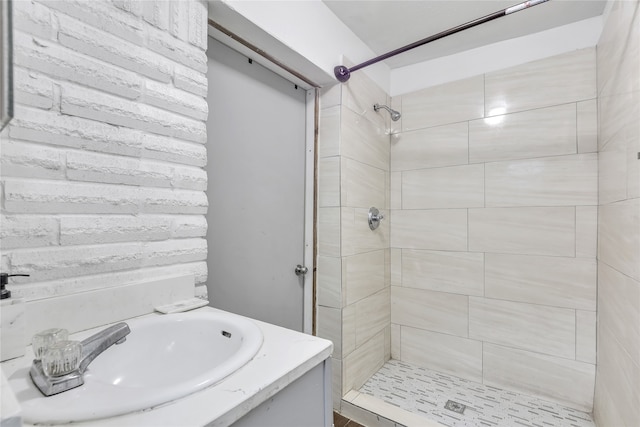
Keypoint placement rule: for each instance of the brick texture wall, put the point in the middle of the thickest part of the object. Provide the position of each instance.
(102, 178)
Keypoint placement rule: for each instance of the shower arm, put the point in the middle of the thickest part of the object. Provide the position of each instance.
(395, 115)
(343, 73)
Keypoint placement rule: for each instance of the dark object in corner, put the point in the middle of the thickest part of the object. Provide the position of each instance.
(4, 280)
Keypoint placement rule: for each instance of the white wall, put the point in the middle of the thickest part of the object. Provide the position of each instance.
(496, 56)
(101, 173)
(307, 35)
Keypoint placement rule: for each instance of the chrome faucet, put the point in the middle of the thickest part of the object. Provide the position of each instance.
(91, 348)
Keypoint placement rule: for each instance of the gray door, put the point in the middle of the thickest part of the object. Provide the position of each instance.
(256, 173)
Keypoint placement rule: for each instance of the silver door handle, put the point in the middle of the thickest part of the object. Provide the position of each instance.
(301, 270)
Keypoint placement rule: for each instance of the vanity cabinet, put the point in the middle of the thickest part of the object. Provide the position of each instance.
(306, 402)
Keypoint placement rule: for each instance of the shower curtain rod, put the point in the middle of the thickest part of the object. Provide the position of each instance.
(343, 73)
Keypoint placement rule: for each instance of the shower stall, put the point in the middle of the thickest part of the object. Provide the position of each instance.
(479, 287)
(508, 218)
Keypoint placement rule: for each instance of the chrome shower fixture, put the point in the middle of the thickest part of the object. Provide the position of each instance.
(395, 115)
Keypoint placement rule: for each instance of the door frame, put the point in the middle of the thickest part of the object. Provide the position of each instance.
(246, 48)
(311, 132)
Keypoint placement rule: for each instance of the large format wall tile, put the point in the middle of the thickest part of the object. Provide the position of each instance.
(617, 115)
(361, 141)
(434, 311)
(586, 336)
(619, 50)
(329, 327)
(587, 126)
(618, 372)
(395, 341)
(349, 317)
(604, 407)
(549, 181)
(612, 176)
(537, 133)
(618, 236)
(362, 185)
(557, 80)
(356, 235)
(554, 281)
(618, 308)
(454, 272)
(329, 281)
(449, 187)
(440, 229)
(329, 232)
(329, 132)
(358, 366)
(633, 165)
(586, 231)
(532, 231)
(461, 357)
(329, 182)
(395, 198)
(618, 336)
(447, 103)
(396, 266)
(373, 315)
(364, 275)
(434, 147)
(360, 94)
(550, 377)
(532, 327)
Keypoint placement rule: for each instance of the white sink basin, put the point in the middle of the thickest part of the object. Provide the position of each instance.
(164, 358)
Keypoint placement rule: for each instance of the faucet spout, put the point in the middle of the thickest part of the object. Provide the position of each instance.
(99, 342)
(92, 347)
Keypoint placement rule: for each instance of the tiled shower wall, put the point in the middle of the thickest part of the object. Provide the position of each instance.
(353, 261)
(101, 174)
(618, 369)
(494, 193)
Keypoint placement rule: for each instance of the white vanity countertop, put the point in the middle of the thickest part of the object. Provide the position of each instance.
(285, 356)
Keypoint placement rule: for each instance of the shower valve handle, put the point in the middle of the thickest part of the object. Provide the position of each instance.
(374, 218)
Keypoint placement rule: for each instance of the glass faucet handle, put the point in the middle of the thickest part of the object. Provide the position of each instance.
(45, 339)
(62, 358)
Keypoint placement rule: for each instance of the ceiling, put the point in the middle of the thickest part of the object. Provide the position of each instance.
(385, 25)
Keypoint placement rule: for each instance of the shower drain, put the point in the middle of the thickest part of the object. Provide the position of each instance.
(455, 406)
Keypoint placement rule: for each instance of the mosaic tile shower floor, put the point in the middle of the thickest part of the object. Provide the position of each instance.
(426, 392)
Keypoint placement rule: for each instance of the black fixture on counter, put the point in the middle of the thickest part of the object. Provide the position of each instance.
(4, 280)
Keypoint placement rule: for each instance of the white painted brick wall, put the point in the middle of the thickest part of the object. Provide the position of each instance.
(102, 15)
(112, 49)
(35, 19)
(67, 131)
(162, 95)
(65, 64)
(29, 231)
(90, 104)
(22, 159)
(88, 229)
(101, 170)
(32, 88)
(190, 80)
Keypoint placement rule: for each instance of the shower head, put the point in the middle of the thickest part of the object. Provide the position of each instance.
(395, 115)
